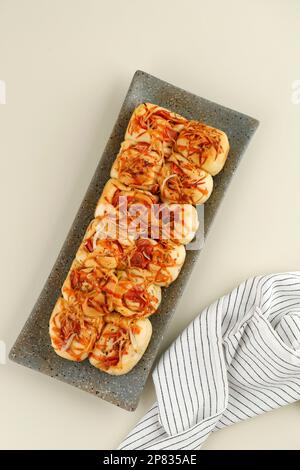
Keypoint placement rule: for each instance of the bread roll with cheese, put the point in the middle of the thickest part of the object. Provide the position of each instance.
(138, 165)
(159, 262)
(108, 253)
(72, 333)
(91, 286)
(124, 212)
(121, 345)
(204, 146)
(114, 190)
(176, 222)
(135, 297)
(153, 124)
(116, 223)
(182, 182)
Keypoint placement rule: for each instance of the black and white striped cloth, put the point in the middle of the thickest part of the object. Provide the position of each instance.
(239, 358)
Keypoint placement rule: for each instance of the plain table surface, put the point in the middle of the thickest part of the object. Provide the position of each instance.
(67, 65)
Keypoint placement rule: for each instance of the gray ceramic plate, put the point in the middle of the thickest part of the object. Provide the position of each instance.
(32, 348)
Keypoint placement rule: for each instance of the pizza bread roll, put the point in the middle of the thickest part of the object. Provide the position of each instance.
(204, 146)
(151, 123)
(73, 334)
(89, 285)
(124, 212)
(158, 262)
(121, 345)
(114, 190)
(135, 297)
(124, 224)
(182, 182)
(107, 253)
(117, 194)
(138, 165)
(176, 222)
(112, 224)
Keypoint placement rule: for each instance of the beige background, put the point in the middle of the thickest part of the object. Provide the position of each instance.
(67, 65)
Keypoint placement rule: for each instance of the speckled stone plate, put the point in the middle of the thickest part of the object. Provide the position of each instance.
(32, 348)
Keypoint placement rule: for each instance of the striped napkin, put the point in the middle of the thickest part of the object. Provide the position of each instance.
(239, 358)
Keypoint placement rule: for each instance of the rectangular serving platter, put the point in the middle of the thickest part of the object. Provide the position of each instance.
(32, 348)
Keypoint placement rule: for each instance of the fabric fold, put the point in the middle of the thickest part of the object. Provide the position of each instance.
(239, 358)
